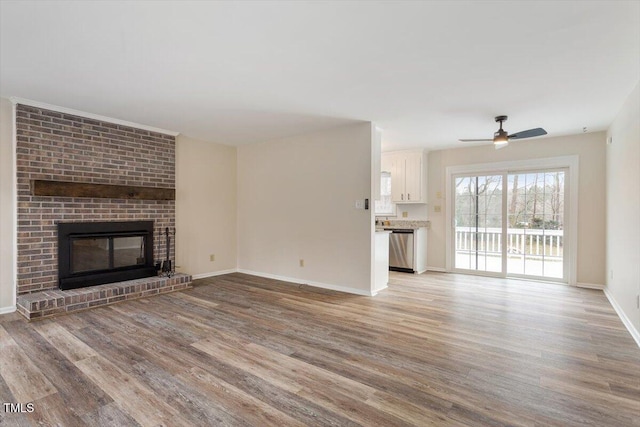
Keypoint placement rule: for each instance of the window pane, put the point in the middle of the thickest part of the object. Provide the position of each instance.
(384, 205)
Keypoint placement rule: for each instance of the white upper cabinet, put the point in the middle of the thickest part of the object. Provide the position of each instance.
(408, 175)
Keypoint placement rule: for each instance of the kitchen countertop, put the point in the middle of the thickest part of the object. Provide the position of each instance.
(398, 224)
(397, 227)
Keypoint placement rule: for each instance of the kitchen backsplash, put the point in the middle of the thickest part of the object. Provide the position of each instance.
(414, 212)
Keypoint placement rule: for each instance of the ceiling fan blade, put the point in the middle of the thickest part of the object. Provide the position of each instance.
(528, 133)
(475, 140)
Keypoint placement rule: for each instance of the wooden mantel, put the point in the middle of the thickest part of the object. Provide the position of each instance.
(99, 191)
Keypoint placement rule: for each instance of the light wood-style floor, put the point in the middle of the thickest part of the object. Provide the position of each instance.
(433, 349)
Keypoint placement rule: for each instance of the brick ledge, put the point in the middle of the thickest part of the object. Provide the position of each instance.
(54, 302)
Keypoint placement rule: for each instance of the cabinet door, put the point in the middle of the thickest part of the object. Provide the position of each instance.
(397, 178)
(413, 178)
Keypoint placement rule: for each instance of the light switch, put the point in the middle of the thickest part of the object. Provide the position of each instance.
(359, 204)
(438, 194)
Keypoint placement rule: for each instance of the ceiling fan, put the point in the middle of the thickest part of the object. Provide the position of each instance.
(501, 138)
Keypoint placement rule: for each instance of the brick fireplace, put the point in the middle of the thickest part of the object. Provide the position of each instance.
(56, 146)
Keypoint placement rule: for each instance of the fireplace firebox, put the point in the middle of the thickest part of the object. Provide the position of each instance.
(95, 253)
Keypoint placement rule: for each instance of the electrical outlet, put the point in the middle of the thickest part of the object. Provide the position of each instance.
(359, 204)
(405, 214)
(301, 263)
(438, 195)
(437, 208)
(212, 257)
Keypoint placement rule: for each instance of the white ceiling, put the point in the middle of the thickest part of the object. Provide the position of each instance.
(428, 73)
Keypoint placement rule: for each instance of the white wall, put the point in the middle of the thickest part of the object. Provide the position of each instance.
(7, 207)
(590, 148)
(206, 215)
(418, 212)
(623, 212)
(296, 200)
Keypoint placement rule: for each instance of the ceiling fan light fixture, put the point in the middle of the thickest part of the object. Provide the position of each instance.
(500, 137)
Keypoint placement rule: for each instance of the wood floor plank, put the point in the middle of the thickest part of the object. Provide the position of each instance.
(109, 416)
(135, 398)
(406, 411)
(195, 406)
(252, 410)
(64, 341)
(243, 361)
(77, 391)
(8, 418)
(191, 300)
(22, 376)
(52, 410)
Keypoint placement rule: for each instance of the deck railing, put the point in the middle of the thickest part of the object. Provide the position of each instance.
(520, 241)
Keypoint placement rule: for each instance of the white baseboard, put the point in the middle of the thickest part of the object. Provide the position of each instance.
(310, 283)
(590, 286)
(213, 273)
(375, 292)
(7, 310)
(437, 269)
(625, 320)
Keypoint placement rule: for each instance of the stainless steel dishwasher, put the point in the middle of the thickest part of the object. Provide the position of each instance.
(401, 250)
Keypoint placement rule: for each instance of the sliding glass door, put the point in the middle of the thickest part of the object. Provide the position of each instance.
(510, 224)
(535, 235)
(478, 223)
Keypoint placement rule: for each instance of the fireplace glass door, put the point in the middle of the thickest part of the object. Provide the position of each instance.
(89, 254)
(94, 254)
(128, 251)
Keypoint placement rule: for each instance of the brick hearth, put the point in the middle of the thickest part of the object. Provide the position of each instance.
(38, 305)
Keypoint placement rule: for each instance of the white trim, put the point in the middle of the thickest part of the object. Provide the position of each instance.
(14, 237)
(16, 100)
(7, 310)
(504, 236)
(635, 334)
(375, 291)
(570, 162)
(574, 165)
(448, 218)
(590, 286)
(437, 269)
(213, 273)
(515, 165)
(307, 282)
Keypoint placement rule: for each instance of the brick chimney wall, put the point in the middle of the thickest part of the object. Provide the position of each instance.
(57, 146)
